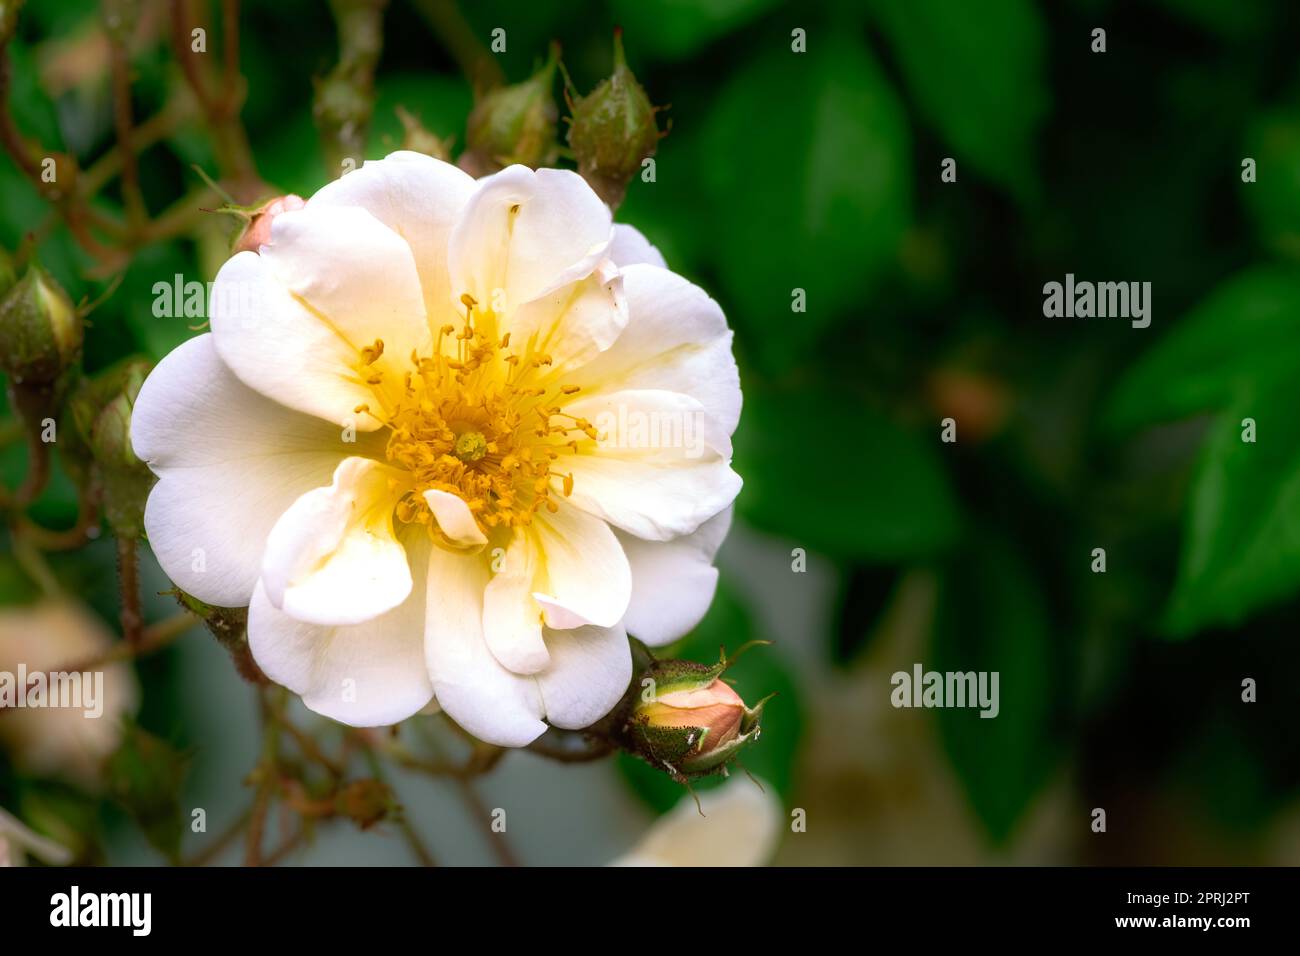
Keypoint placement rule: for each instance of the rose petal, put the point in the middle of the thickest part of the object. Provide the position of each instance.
(673, 582)
(365, 675)
(221, 450)
(525, 233)
(418, 197)
(333, 558)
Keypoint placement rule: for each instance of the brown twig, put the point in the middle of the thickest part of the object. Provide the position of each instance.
(128, 575)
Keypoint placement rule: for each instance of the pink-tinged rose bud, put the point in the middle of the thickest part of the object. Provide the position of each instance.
(686, 720)
(715, 709)
(258, 232)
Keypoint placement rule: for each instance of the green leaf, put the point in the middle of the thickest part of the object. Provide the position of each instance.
(992, 617)
(158, 264)
(815, 197)
(1241, 546)
(976, 70)
(441, 103)
(673, 29)
(145, 776)
(1243, 335)
(832, 474)
(759, 672)
(1274, 198)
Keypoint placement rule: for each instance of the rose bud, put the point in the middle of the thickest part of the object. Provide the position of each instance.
(613, 130)
(99, 449)
(258, 231)
(515, 124)
(40, 330)
(687, 721)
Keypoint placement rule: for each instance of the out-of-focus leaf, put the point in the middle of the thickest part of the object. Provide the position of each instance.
(814, 196)
(993, 618)
(759, 672)
(1241, 547)
(976, 70)
(864, 593)
(831, 474)
(145, 775)
(1243, 335)
(441, 103)
(672, 29)
(1234, 21)
(1274, 198)
(154, 265)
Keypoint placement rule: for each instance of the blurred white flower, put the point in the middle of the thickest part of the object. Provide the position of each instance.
(62, 741)
(448, 437)
(17, 842)
(741, 826)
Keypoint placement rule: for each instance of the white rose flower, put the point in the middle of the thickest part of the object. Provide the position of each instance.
(448, 438)
(736, 824)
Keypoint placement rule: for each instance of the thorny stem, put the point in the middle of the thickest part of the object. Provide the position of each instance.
(128, 574)
(229, 140)
(266, 775)
(136, 212)
(409, 833)
(227, 836)
(153, 638)
(478, 810)
(345, 99)
(449, 25)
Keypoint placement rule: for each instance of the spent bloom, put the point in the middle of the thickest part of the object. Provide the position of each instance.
(448, 439)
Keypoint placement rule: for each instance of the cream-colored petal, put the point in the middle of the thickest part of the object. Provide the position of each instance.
(676, 340)
(454, 518)
(525, 233)
(575, 323)
(277, 346)
(367, 675)
(293, 322)
(476, 691)
(589, 673)
(654, 499)
(512, 619)
(673, 582)
(648, 423)
(418, 197)
(585, 576)
(333, 558)
(229, 463)
(736, 824)
(630, 248)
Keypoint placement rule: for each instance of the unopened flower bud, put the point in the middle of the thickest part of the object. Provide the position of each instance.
(417, 138)
(613, 130)
(515, 124)
(40, 330)
(688, 721)
(258, 231)
(101, 412)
